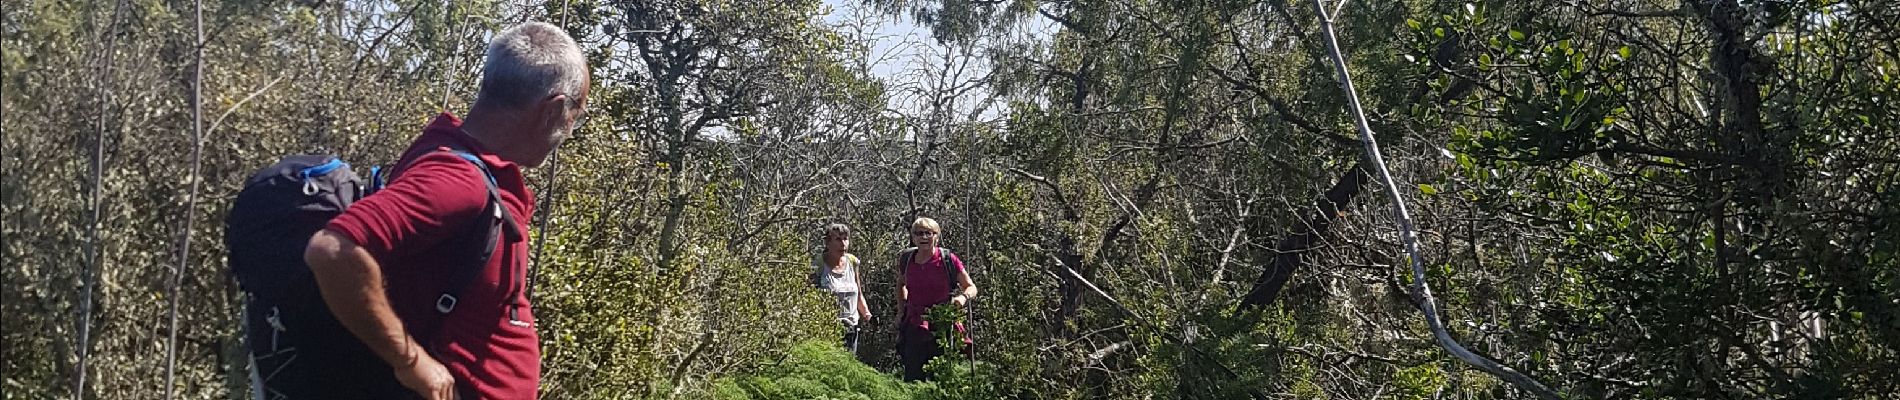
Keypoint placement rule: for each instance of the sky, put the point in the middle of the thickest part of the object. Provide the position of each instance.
(901, 49)
(895, 40)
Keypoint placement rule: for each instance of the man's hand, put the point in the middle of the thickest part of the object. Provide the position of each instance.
(352, 285)
(427, 378)
(960, 301)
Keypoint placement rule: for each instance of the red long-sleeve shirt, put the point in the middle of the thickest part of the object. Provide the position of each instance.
(409, 228)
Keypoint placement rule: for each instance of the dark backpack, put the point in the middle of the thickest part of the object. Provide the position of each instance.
(298, 348)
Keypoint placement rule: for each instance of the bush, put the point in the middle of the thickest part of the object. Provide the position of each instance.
(815, 370)
(954, 378)
(823, 370)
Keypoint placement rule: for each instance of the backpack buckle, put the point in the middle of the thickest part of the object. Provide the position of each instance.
(275, 321)
(445, 303)
(514, 317)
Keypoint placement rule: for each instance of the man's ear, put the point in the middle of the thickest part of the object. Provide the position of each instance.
(554, 108)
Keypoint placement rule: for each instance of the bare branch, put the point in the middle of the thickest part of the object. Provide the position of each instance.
(1068, 210)
(234, 107)
(1427, 304)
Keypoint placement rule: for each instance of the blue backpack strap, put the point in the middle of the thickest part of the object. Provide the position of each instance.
(499, 224)
(376, 182)
(512, 231)
(479, 164)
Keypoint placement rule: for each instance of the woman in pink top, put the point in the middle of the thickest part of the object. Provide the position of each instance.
(926, 274)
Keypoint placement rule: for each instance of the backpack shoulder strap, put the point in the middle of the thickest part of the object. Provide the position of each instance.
(903, 262)
(497, 223)
(903, 259)
(820, 278)
(949, 269)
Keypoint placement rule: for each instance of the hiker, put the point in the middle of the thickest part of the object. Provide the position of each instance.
(380, 266)
(926, 272)
(836, 271)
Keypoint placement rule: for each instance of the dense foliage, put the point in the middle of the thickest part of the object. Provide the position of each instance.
(1158, 198)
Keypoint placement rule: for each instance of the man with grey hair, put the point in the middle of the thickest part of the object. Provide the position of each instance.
(390, 267)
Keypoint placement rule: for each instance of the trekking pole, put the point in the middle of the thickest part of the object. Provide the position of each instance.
(448, 79)
(547, 199)
(969, 329)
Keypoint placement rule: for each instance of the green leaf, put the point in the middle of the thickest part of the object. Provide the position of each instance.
(1623, 52)
(1439, 32)
(1516, 35)
(1413, 23)
(1427, 189)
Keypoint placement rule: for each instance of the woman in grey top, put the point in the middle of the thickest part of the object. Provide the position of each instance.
(836, 271)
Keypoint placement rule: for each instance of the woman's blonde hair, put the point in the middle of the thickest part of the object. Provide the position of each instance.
(926, 223)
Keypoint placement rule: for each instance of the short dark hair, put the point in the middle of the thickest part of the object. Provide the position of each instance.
(838, 229)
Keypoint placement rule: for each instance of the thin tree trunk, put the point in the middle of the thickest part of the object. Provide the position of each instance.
(675, 207)
(1290, 254)
(94, 252)
(1066, 252)
(680, 142)
(191, 196)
